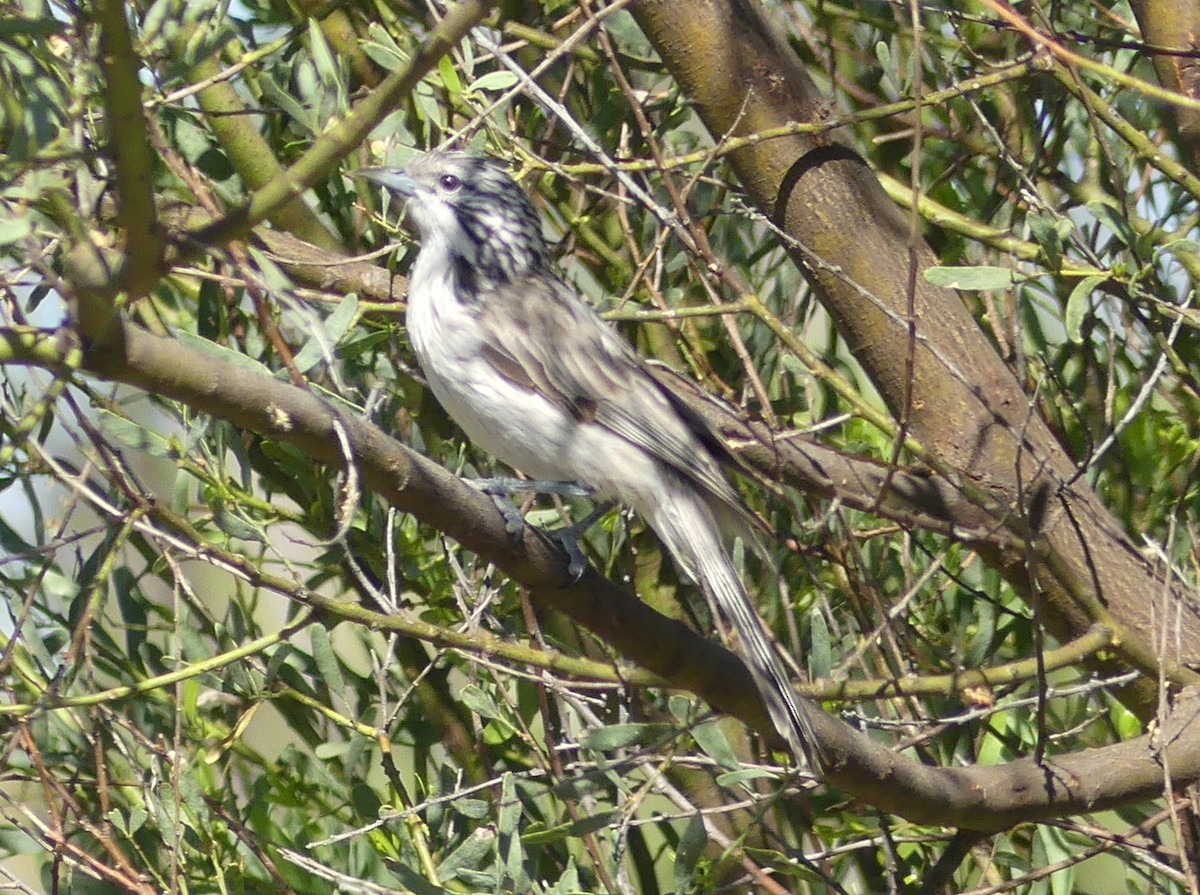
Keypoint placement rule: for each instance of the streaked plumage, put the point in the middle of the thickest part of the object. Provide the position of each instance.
(535, 377)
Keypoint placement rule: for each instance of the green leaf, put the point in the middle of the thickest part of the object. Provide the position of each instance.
(820, 653)
(619, 736)
(1045, 231)
(334, 328)
(343, 317)
(682, 708)
(362, 341)
(27, 632)
(594, 822)
(116, 819)
(322, 56)
(883, 54)
(980, 643)
(449, 76)
(510, 806)
(160, 13)
(1108, 214)
(469, 855)
(14, 227)
(412, 880)
(745, 775)
(508, 824)
(281, 655)
(231, 521)
(1125, 722)
(11, 542)
(688, 853)
(485, 881)
(210, 311)
(479, 702)
(132, 608)
(137, 818)
(326, 659)
(221, 353)
(382, 49)
(971, 279)
(472, 808)
(887, 68)
(568, 883)
(19, 26)
(272, 274)
(287, 103)
(1178, 247)
(193, 141)
(329, 751)
(711, 739)
(1078, 305)
(17, 842)
(182, 492)
(494, 82)
(795, 366)
(538, 833)
(130, 433)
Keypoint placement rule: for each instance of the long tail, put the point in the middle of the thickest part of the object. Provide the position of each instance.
(686, 524)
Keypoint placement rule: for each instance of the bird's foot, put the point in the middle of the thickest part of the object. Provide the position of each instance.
(508, 485)
(514, 522)
(498, 489)
(568, 539)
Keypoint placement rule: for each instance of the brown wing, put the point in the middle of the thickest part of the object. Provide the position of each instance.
(565, 351)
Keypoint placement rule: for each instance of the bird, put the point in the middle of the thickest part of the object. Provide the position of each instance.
(535, 377)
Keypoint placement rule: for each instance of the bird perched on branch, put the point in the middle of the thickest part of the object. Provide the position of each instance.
(534, 376)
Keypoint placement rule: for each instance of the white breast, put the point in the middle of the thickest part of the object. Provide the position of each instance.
(510, 421)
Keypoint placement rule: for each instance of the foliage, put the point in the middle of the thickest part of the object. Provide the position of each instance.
(197, 696)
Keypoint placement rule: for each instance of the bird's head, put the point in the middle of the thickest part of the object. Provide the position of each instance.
(468, 207)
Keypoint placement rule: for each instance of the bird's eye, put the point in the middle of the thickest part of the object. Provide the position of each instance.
(450, 182)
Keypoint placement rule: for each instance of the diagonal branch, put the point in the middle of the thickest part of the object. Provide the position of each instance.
(961, 402)
(985, 798)
(133, 159)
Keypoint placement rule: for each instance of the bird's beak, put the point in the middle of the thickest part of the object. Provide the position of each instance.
(393, 179)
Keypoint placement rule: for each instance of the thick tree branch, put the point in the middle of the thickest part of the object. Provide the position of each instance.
(416, 485)
(242, 140)
(134, 162)
(1172, 28)
(977, 798)
(913, 498)
(960, 401)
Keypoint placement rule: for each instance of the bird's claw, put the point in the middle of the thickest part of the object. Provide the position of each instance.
(568, 537)
(577, 563)
(514, 523)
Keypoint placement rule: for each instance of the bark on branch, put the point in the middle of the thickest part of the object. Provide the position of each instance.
(930, 361)
(984, 798)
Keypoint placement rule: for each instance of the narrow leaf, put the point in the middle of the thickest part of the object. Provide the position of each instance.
(618, 736)
(326, 659)
(687, 855)
(1078, 305)
(820, 654)
(711, 739)
(971, 279)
